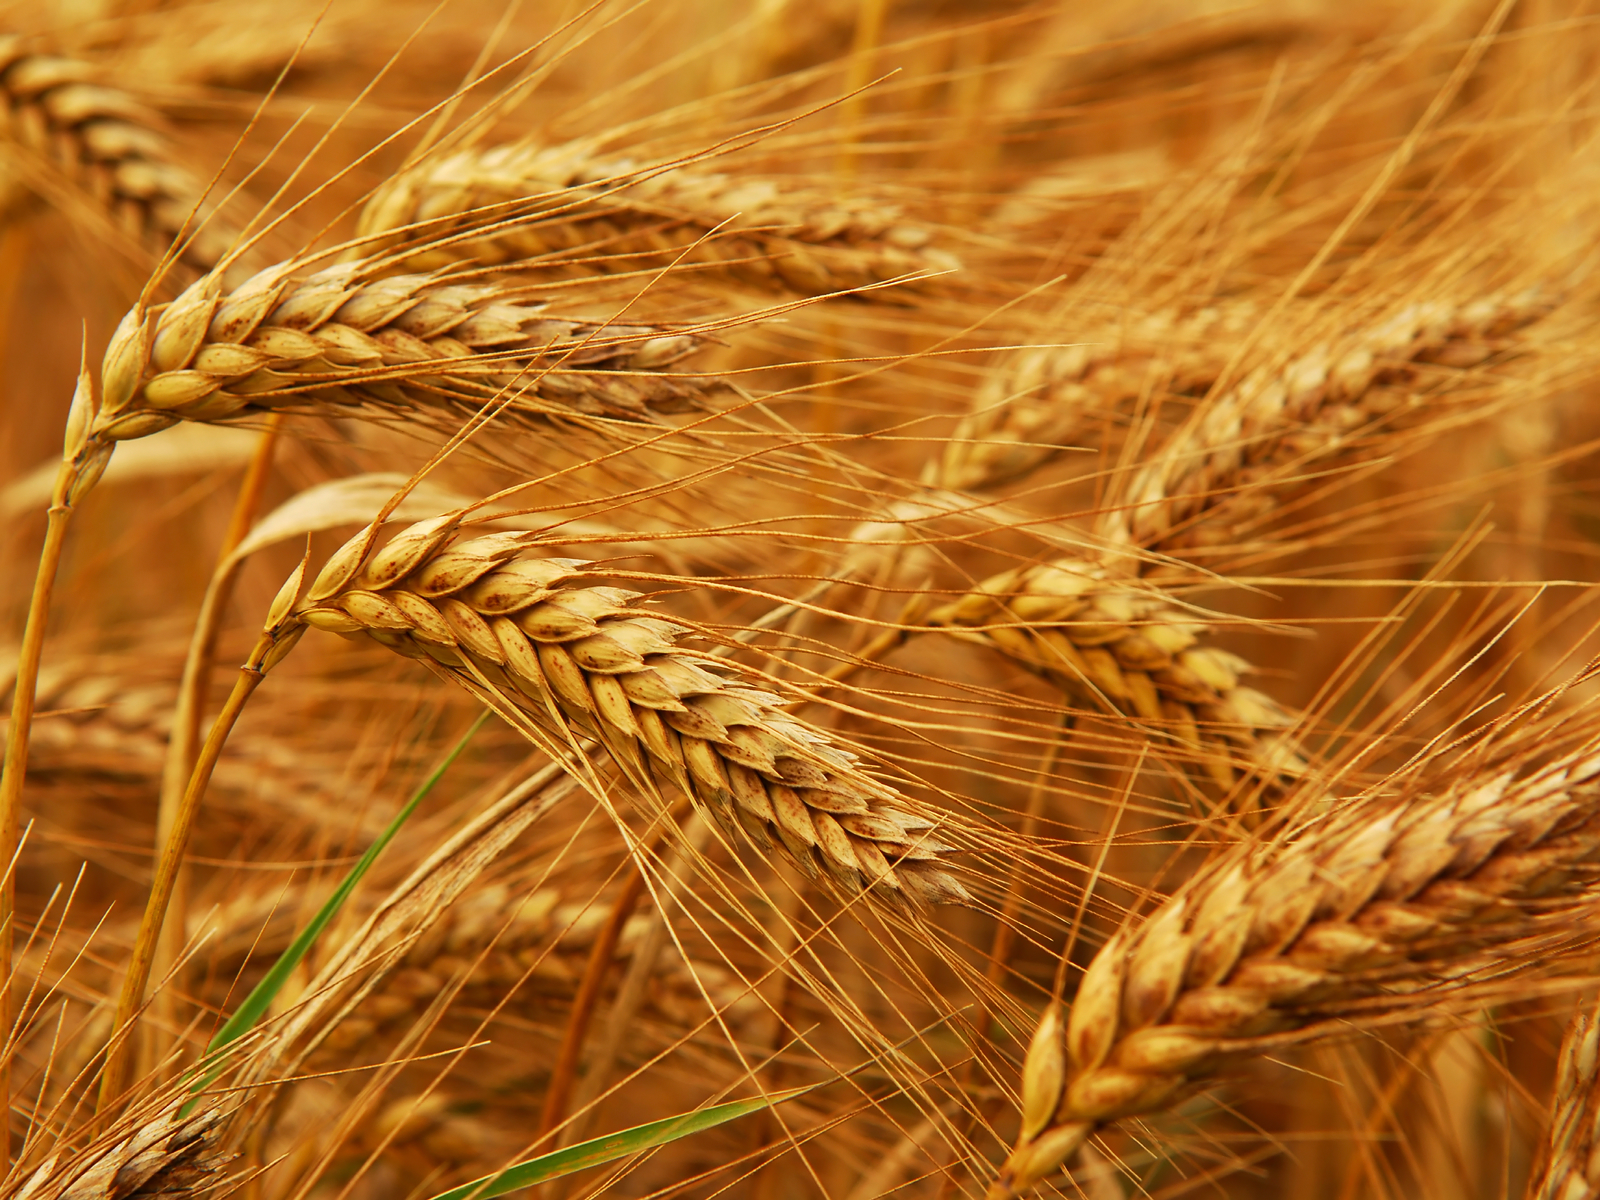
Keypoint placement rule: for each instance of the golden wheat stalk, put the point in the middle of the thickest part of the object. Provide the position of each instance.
(559, 659)
(1386, 907)
(1569, 1162)
(771, 232)
(110, 146)
(412, 350)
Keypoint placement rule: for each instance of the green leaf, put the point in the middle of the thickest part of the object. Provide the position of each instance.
(261, 997)
(613, 1146)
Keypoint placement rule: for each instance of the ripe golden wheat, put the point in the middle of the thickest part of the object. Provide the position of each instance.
(954, 411)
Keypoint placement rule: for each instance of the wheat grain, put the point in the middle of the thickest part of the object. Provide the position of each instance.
(108, 144)
(797, 235)
(557, 657)
(1383, 907)
(1569, 1167)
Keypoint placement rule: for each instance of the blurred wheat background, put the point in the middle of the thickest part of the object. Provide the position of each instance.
(974, 485)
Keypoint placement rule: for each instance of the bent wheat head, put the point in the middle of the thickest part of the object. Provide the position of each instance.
(1380, 908)
(558, 659)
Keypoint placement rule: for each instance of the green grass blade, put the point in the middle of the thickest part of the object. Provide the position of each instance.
(613, 1146)
(262, 995)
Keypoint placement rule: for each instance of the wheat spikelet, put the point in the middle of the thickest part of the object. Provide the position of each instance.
(1384, 906)
(110, 145)
(519, 630)
(800, 236)
(166, 1154)
(1570, 1167)
(1023, 415)
(337, 341)
(1303, 407)
(1118, 643)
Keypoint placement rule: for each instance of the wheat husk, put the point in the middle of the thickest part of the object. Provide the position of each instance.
(1569, 1161)
(108, 144)
(1388, 907)
(559, 659)
(165, 1154)
(771, 232)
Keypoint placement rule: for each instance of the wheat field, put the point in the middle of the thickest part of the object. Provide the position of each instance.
(774, 600)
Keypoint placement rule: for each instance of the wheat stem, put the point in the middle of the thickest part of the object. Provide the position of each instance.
(564, 1073)
(195, 685)
(82, 461)
(131, 998)
(15, 770)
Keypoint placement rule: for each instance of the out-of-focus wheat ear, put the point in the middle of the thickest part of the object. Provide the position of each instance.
(561, 660)
(1118, 644)
(1300, 407)
(1569, 1161)
(772, 232)
(1386, 909)
(1030, 409)
(113, 148)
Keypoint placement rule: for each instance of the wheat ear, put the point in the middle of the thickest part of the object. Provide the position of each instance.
(1118, 643)
(1090, 626)
(1301, 408)
(1569, 1163)
(1024, 414)
(111, 146)
(1381, 908)
(409, 348)
(779, 233)
(558, 659)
